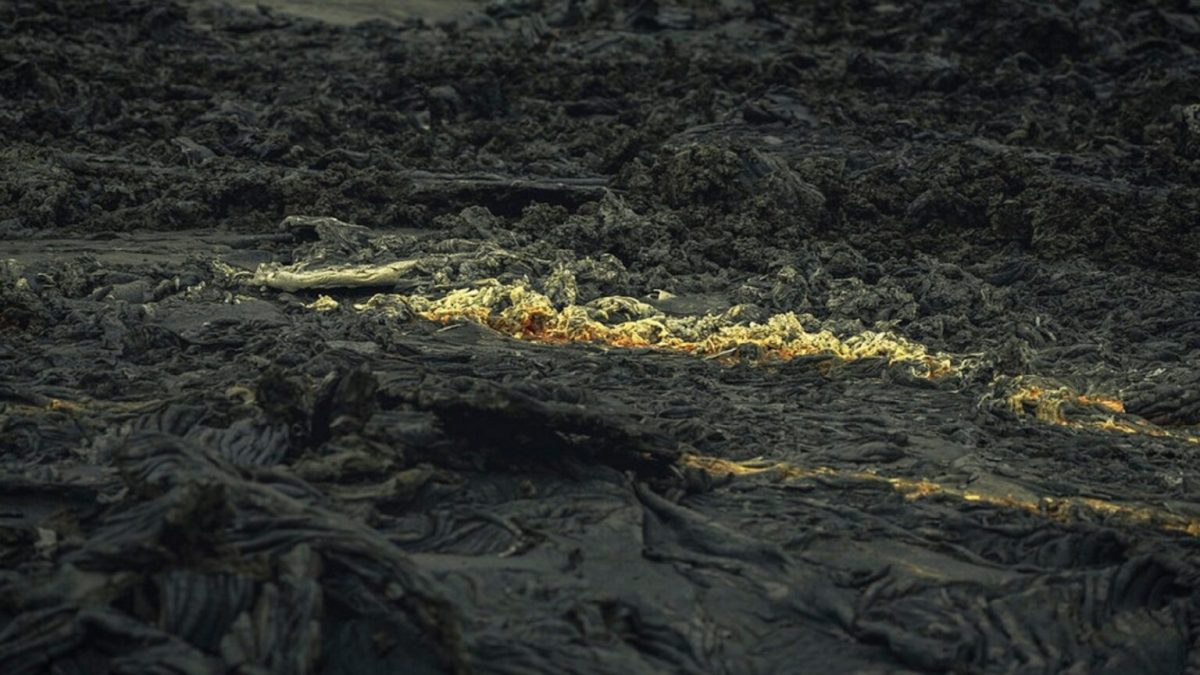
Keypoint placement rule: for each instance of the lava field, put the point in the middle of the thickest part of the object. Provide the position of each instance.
(600, 336)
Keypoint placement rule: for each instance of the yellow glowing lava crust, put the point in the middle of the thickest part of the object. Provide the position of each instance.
(1049, 402)
(1063, 509)
(519, 311)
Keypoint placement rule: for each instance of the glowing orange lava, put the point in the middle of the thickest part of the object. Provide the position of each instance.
(1063, 509)
(519, 311)
(1049, 403)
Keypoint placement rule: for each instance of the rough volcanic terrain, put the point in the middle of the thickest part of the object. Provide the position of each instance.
(600, 336)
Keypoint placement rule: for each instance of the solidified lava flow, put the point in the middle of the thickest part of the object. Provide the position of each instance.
(593, 336)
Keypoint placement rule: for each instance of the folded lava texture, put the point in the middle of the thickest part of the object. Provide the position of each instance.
(585, 336)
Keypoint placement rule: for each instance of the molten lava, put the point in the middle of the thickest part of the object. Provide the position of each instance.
(1063, 509)
(519, 311)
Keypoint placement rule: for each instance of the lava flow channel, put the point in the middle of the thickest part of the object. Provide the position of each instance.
(521, 312)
